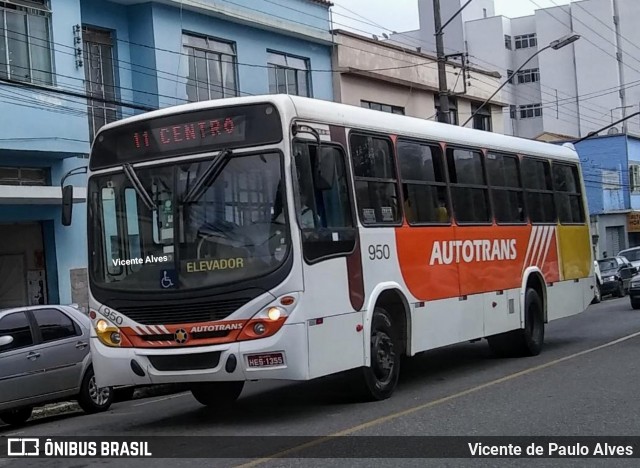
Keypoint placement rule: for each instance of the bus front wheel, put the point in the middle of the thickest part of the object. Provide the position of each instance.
(217, 394)
(527, 341)
(379, 380)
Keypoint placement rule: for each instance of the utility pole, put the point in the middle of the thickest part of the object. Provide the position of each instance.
(443, 90)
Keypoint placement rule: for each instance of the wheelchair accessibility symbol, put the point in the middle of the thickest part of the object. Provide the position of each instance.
(168, 279)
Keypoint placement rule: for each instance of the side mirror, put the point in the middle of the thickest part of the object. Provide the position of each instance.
(6, 340)
(67, 204)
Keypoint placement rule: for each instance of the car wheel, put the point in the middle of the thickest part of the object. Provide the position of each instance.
(597, 294)
(635, 303)
(16, 417)
(217, 395)
(93, 399)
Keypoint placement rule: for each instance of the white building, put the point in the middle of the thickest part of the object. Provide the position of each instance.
(559, 93)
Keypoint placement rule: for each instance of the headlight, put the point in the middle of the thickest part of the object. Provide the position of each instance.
(635, 284)
(108, 334)
(609, 278)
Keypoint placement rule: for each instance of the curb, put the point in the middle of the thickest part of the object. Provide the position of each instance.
(67, 407)
(55, 409)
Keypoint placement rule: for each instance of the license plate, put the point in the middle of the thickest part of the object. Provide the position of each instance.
(266, 360)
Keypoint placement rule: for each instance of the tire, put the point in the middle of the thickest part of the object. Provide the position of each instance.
(123, 394)
(635, 304)
(91, 398)
(528, 341)
(620, 292)
(597, 294)
(217, 395)
(379, 381)
(16, 417)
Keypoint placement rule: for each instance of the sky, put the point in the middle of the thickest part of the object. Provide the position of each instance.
(377, 16)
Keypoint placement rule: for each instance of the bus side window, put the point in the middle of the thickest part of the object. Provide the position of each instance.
(469, 190)
(375, 180)
(536, 177)
(506, 188)
(424, 184)
(322, 202)
(568, 194)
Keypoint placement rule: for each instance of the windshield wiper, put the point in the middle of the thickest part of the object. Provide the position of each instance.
(138, 187)
(210, 174)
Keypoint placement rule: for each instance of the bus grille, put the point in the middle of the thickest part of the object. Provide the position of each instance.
(184, 362)
(162, 314)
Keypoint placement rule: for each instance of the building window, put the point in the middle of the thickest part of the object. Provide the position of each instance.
(382, 107)
(634, 178)
(510, 76)
(453, 109)
(507, 41)
(529, 111)
(24, 176)
(530, 75)
(525, 41)
(513, 112)
(482, 117)
(25, 41)
(212, 68)
(288, 74)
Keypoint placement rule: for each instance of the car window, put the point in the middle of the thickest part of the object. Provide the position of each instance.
(17, 326)
(608, 264)
(632, 255)
(54, 325)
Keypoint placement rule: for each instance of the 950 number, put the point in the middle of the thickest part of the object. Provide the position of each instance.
(114, 317)
(379, 252)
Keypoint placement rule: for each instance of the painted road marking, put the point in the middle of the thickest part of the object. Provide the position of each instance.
(414, 409)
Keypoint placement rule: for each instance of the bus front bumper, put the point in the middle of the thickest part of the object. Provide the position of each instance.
(216, 363)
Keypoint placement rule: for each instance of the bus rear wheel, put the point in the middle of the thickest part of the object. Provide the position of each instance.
(217, 394)
(379, 380)
(527, 341)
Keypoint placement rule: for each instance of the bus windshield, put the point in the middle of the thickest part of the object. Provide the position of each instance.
(205, 223)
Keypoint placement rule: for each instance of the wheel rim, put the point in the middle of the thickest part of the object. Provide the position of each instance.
(99, 396)
(383, 357)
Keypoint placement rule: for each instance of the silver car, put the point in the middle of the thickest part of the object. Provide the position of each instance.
(44, 357)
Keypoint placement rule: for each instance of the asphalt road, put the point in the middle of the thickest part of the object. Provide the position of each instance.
(585, 383)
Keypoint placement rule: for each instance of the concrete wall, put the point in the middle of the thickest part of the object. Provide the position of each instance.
(605, 154)
(558, 85)
(382, 73)
(251, 46)
(38, 121)
(633, 151)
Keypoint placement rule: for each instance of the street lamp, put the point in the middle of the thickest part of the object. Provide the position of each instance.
(555, 45)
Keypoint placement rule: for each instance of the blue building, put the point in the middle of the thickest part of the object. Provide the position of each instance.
(611, 169)
(67, 67)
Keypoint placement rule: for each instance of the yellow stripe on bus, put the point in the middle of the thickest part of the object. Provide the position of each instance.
(574, 244)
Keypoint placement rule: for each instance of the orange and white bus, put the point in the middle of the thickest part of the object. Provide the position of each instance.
(280, 237)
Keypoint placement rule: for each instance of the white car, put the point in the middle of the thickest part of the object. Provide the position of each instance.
(597, 293)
